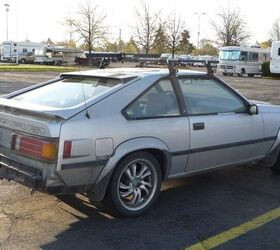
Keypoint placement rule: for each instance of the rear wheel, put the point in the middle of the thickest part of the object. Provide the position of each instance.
(135, 185)
(224, 74)
(251, 75)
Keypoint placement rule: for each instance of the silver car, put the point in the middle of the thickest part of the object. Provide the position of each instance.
(117, 134)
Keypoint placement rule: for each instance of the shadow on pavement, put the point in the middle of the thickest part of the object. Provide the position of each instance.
(188, 211)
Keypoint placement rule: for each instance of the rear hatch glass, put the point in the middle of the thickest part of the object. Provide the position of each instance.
(69, 92)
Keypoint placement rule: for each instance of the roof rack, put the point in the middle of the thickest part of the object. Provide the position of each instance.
(209, 64)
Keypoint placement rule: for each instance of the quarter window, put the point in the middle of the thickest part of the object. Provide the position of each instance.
(159, 101)
(204, 97)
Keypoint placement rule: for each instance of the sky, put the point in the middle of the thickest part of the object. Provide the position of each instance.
(38, 20)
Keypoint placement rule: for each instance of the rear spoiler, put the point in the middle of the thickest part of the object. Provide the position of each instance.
(16, 108)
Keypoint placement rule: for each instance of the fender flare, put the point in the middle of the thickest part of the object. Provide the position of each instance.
(273, 153)
(123, 149)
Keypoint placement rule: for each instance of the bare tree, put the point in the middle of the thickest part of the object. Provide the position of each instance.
(231, 29)
(275, 31)
(174, 28)
(89, 25)
(146, 27)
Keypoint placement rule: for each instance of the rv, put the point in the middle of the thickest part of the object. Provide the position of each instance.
(56, 55)
(275, 58)
(242, 60)
(10, 50)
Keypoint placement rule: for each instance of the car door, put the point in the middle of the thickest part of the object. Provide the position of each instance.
(222, 131)
(156, 113)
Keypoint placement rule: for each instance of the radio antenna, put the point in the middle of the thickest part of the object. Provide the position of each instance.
(84, 95)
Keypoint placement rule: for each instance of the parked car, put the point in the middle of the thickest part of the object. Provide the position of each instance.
(28, 58)
(117, 134)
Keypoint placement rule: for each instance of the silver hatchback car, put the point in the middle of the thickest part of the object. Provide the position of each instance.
(117, 134)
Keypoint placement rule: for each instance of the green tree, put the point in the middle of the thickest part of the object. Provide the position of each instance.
(207, 48)
(160, 42)
(266, 44)
(185, 46)
(68, 44)
(130, 47)
(111, 46)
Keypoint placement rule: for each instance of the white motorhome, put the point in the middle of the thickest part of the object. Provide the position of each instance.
(56, 55)
(242, 60)
(11, 49)
(275, 58)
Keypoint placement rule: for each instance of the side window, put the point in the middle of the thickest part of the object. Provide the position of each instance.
(279, 52)
(159, 101)
(204, 97)
(253, 56)
(244, 56)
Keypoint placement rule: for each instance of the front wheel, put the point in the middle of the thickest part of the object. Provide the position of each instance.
(276, 168)
(135, 185)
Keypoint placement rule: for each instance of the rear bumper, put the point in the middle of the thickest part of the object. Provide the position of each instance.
(18, 172)
(48, 181)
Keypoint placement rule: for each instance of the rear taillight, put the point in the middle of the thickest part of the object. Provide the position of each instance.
(36, 147)
(67, 149)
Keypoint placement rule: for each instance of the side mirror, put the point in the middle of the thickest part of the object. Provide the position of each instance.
(253, 109)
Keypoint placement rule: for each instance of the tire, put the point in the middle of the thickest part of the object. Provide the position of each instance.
(135, 184)
(276, 168)
(251, 75)
(23, 61)
(225, 74)
(242, 72)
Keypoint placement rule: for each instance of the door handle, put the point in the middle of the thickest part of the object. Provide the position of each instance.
(198, 126)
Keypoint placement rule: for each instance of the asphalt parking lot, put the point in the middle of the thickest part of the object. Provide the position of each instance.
(235, 208)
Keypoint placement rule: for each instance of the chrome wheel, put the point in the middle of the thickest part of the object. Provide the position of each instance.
(137, 184)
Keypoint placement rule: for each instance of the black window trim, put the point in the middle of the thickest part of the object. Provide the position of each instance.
(173, 84)
(226, 86)
(180, 98)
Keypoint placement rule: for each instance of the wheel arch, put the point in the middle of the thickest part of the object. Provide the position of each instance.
(152, 145)
(273, 154)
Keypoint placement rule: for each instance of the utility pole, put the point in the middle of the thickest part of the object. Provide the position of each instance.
(198, 26)
(120, 40)
(71, 23)
(7, 6)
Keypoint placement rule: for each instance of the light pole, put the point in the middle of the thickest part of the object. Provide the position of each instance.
(199, 14)
(7, 20)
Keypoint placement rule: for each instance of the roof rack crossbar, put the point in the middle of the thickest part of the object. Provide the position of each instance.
(171, 64)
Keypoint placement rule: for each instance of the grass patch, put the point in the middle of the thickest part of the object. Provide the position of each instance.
(35, 68)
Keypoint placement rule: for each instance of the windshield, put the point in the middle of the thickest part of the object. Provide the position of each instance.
(229, 55)
(68, 92)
